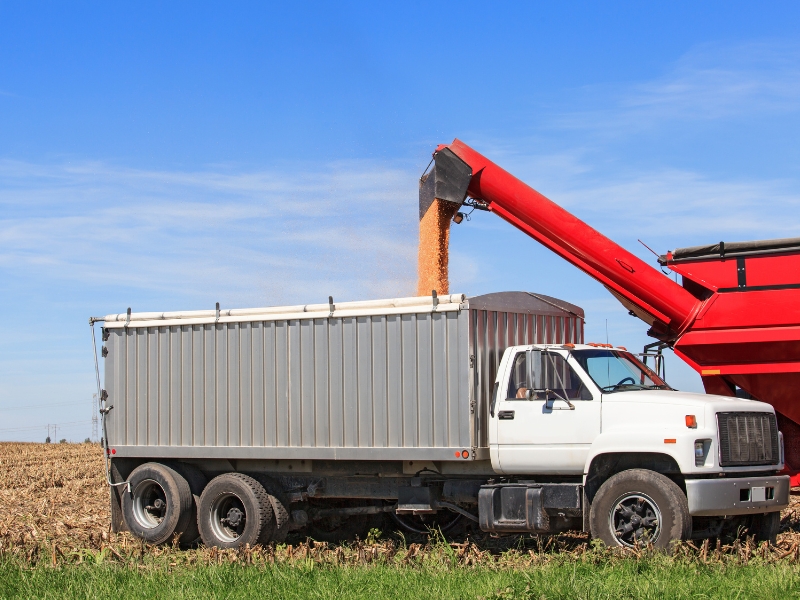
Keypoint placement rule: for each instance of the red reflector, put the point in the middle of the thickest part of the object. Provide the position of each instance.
(670, 441)
(465, 454)
(113, 451)
(458, 454)
(691, 421)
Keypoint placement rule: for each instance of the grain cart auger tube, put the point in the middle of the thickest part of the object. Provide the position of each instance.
(735, 319)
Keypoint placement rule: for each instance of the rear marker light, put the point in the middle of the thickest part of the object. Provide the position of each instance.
(465, 454)
(458, 454)
(691, 421)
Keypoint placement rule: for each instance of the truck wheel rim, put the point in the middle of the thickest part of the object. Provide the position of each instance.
(149, 503)
(635, 519)
(228, 517)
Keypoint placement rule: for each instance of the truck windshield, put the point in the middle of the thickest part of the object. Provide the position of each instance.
(616, 371)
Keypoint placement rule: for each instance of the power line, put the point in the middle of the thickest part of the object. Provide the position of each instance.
(34, 427)
(31, 406)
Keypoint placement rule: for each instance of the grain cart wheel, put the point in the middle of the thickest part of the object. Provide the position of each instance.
(765, 527)
(234, 509)
(279, 528)
(159, 504)
(640, 506)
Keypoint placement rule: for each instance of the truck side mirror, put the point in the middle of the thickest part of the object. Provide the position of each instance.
(533, 360)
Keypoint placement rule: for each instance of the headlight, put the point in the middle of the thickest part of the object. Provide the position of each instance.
(701, 448)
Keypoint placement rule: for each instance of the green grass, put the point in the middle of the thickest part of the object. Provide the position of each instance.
(650, 577)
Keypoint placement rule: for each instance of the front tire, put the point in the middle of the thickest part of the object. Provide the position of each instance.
(765, 527)
(638, 506)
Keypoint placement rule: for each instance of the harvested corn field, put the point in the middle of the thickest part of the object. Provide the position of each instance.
(53, 492)
(55, 542)
(54, 495)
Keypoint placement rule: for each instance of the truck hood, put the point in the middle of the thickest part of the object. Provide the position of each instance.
(667, 408)
(689, 399)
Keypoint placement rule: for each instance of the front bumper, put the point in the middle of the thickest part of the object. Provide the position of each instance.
(737, 496)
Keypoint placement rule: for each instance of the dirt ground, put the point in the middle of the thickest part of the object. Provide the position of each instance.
(57, 493)
(53, 492)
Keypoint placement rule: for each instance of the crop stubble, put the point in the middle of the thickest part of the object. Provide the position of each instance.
(55, 495)
(53, 491)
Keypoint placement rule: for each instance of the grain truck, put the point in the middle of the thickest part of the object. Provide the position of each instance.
(237, 426)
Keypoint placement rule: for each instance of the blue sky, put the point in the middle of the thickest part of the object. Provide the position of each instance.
(169, 156)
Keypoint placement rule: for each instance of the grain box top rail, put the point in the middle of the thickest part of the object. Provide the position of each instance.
(395, 306)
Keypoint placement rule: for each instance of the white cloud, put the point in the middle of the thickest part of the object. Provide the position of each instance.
(246, 235)
(710, 82)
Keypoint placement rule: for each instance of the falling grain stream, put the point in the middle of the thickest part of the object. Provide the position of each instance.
(434, 241)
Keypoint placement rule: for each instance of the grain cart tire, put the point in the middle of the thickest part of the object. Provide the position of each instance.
(158, 505)
(638, 506)
(765, 527)
(197, 482)
(234, 509)
(279, 528)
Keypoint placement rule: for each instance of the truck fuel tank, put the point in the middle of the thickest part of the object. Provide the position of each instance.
(528, 507)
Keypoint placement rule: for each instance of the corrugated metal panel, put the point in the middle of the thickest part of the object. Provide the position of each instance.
(363, 384)
(491, 332)
(360, 382)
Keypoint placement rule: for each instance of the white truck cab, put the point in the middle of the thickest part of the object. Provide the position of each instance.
(588, 410)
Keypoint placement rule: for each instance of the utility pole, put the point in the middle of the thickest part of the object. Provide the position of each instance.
(95, 434)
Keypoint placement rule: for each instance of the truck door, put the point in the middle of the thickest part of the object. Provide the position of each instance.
(547, 417)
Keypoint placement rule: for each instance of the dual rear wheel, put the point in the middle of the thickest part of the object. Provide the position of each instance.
(233, 510)
(158, 504)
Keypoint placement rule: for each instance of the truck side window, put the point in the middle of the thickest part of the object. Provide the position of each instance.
(561, 378)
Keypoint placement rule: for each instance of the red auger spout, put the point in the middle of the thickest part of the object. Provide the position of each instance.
(666, 306)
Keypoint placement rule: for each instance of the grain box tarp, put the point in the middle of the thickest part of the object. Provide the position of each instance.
(400, 385)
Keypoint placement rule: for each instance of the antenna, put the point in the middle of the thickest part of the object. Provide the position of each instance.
(648, 247)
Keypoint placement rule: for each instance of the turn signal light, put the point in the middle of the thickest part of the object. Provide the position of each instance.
(691, 421)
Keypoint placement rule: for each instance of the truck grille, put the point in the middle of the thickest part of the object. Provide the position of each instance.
(747, 438)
